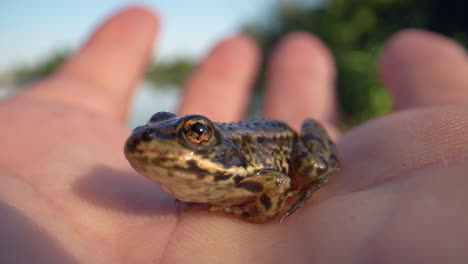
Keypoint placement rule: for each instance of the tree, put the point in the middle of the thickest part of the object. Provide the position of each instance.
(170, 72)
(355, 30)
(26, 74)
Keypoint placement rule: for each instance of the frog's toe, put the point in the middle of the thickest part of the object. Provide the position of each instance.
(298, 204)
(304, 196)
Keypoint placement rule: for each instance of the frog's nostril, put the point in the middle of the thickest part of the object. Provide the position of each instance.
(147, 135)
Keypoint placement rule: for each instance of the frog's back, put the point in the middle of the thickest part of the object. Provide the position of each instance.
(265, 144)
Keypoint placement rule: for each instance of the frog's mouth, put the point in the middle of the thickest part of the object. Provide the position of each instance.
(161, 154)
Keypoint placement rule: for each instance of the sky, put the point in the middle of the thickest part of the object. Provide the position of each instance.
(31, 30)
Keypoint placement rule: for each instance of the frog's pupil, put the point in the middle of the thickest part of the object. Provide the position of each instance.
(198, 128)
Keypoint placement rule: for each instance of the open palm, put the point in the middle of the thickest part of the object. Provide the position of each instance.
(69, 196)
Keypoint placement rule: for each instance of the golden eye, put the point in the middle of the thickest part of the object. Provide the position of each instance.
(197, 132)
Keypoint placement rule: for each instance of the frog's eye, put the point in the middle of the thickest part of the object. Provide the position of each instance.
(198, 131)
(198, 128)
(160, 116)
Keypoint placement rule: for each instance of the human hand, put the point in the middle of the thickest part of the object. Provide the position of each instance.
(68, 194)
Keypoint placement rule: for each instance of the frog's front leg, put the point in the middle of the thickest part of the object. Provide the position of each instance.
(313, 161)
(268, 189)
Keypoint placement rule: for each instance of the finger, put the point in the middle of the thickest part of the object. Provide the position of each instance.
(300, 82)
(422, 68)
(220, 86)
(103, 73)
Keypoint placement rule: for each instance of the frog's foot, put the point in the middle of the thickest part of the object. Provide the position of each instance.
(294, 193)
(313, 161)
(268, 190)
(304, 196)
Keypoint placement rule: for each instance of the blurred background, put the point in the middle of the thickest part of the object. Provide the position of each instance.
(36, 38)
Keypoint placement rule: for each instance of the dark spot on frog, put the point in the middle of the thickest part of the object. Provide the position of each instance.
(193, 167)
(276, 152)
(284, 170)
(266, 201)
(229, 155)
(221, 177)
(260, 140)
(237, 179)
(271, 141)
(303, 154)
(251, 186)
(246, 214)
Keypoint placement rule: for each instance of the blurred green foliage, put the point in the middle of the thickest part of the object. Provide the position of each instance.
(165, 73)
(26, 74)
(170, 72)
(355, 30)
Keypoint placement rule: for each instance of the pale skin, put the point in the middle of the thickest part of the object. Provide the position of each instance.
(69, 196)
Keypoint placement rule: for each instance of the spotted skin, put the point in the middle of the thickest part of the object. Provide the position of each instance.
(248, 169)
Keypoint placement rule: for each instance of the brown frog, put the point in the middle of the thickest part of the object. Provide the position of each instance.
(247, 169)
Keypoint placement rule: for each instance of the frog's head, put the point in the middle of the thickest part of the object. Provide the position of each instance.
(168, 143)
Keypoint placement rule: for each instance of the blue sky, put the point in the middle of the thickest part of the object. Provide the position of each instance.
(30, 31)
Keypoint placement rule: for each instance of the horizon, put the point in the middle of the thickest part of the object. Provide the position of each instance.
(56, 26)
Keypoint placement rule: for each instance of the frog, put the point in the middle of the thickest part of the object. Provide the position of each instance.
(248, 169)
